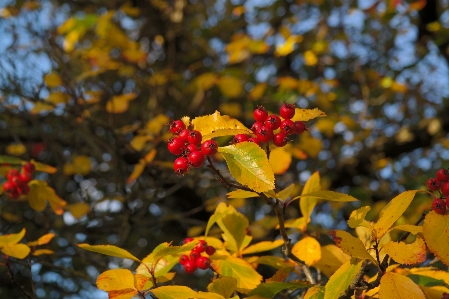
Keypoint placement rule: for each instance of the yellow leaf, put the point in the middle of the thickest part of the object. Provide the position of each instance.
(155, 125)
(307, 250)
(332, 258)
(116, 279)
(19, 251)
(119, 104)
(325, 126)
(310, 58)
(42, 240)
(161, 266)
(216, 125)
(307, 114)
(396, 286)
(285, 193)
(206, 81)
(436, 235)
(315, 293)
(289, 45)
(39, 252)
(262, 246)
(110, 250)
(139, 141)
(174, 292)
(249, 165)
(41, 107)
(232, 109)
(234, 226)
(224, 286)
(392, 211)
(280, 160)
(230, 87)
(241, 194)
(78, 209)
(434, 273)
(350, 245)
(307, 204)
(137, 171)
(281, 274)
(342, 278)
(287, 83)
(299, 223)
(257, 92)
(311, 145)
(11, 239)
(434, 292)
(407, 254)
(43, 167)
(58, 97)
(150, 156)
(40, 192)
(357, 217)
(413, 229)
(16, 149)
(79, 165)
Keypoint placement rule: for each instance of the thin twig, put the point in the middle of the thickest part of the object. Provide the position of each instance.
(11, 275)
(33, 288)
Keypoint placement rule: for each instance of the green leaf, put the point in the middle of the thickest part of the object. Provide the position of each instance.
(241, 194)
(249, 165)
(224, 286)
(342, 278)
(307, 204)
(110, 250)
(426, 281)
(234, 227)
(270, 289)
(161, 266)
(10, 160)
(315, 293)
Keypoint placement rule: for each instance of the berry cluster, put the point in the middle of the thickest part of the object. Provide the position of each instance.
(17, 183)
(440, 184)
(265, 125)
(445, 296)
(196, 260)
(187, 144)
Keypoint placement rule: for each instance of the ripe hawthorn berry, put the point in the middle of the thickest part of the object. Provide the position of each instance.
(177, 126)
(273, 122)
(280, 139)
(196, 159)
(184, 135)
(287, 111)
(445, 189)
(9, 186)
(194, 137)
(256, 126)
(23, 189)
(255, 140)
(443, 175)
(29, 167)
(260, 114)
(288, 127)
(439, 206)
(209, 147)
(240, 138)
(300, 127)
(194, 254)
(12, 174)
(26, 177)
(175, 146)
(203, 262)
(445, 296)
(183, 259)
(181, 165)
(188, 240)
(189, 266)
(190, 148)
(433, 184)
(264, 134)
(210, 250)
(201, 246)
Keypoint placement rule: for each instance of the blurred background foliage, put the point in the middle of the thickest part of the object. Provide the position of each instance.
(88, 86)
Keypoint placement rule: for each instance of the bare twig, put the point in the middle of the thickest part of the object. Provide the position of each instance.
(11, 275)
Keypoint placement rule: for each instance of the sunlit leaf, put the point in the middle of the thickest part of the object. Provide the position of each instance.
(11, 239)
(280, 160)
(342, 278)
(308, 250)
(307, 204)
(80, 165)
(289, 45)
(413, 229)
(357, 217)
(257, 92)
(137, 171)
(19, 251)
(174, 292)
(119, 104)
(307, 114)
(16, 149)
(407, 254)
(281, 275)
(332, 258)
(262, 246)
(10, 160)
(224, 286)
(436, 235)
(45, 239)
(230, 87)
(350, 245)
(310, 59)
(241, 194)
(78, 209)
(116, 279)
(43, 167)
(396, 286)
(285, 193)
(172, 250)
(155, 125)
(110, 250)
(39, 252)
(315, 293)
(234, 229)
(270, 289)
(216, 125)
(40, 193)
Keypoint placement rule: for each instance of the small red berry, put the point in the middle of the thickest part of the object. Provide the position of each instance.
(443, 175)
(210, 250)
(203, 262)
(175, 146)
(190, 148)
(288, 127)
(287, 111)
(12, 174)
(9, 186)
(439, 206)
(240, 138)
(26, 177)
(196, 159)
(433, 184)
(445, 189)
(255, 140)
(29, 167)
(14, 195)
(23, 189)
(195, 137)
(188, 240)
(273, 122)
(194, 254)
(177, 126)
(280, 139)
(264, 134)
(445, 296)
(209, 147)
(256, 126)
(300, 127)
(184, 135)
(183, 259)
(181, 165)
(189, 266)
(260, 114)
(201, 246)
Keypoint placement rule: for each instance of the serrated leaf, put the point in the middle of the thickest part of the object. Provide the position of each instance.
(436, 235)
(315, 293)
(307, 114)
(350, 245)
(223, 286)
(357, 217)
(307, 204)
(216, 125)
(407, 254)
(110, 250)
(241, 194)
(173, 250)
(342, 278)
(116, 279)
(262, 246)
(308, 250)
(174, 292)
(272, 261)
(280, 160)
(234, 226)
(42, 240)
(19, 251)
(396, 286)
(161, 266)
(249, 165)
(413, 229)
(332, 258)
(247, 277)
(11, 239)
(270, 289)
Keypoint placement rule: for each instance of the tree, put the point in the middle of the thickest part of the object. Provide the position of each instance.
(86, 89)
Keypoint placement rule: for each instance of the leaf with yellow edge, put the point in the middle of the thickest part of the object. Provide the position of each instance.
(216, 125)
(357, 217)
(249, 165)
(221, 210)
(110, 250)
(315, 293)
(307, 204)
(392, 211)
(230, 87)
(407, 254)
(436, 235)
(11, 239)
(223, 286)
(43, 167)
(119, 104)
(16, 149)
(45, 239)
(241, 194)
(116, 279)
(307, 114)
(413, 229)
(433, 273)
(396, 286)
(350, 245)
(52, 80)
(280, 160)
(19, 251)
(161, 266)
(308, 250)
(332, 258)
(262, 246)
(39, 252)
(78, 209)
(247, 277)
(342, 278)
(40, 192)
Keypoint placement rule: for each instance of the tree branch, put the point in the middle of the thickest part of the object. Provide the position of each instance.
(11, 275)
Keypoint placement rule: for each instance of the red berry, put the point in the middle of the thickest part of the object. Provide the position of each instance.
(190, 148)
(264, 134)
(183, 259)
(184, 135)
(194, 254)
(287, 111)
(260, 114)
(196, 159)
(280, 139)
(12, 174)
(433, 184)
(209, 147)
(273, 122)
(195, 137)
(188, 240)
(210, 250)
(203, 262)
(29, 167)
(445, 189)
(175, 146)
(439, 206)
(288, 127)
(189, 266)
(181, 165)
(23, 189)
(255, 140)
(443, 175)
(240, 138)
(445, 296)
(300, 127)
(201, 246)
(14, 194)
(177, 126)
(256, 126)
(9, 186)
(26, 177)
